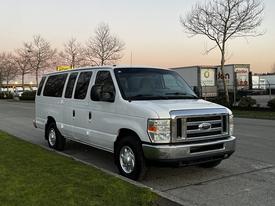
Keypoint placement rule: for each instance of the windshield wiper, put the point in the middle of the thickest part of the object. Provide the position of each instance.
(182, 94)
(176, 93)
(146, 97)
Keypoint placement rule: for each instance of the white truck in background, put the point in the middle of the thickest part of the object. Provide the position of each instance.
(202, 79)
(269, 80)
(258, 82)
(235, 75)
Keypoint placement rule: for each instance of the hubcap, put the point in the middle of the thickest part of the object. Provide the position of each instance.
(127, 159)
(52, 137)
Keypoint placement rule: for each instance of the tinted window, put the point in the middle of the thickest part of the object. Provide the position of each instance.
(41, 86)
(55, 85)
(104, 79)
(70, 85)
(82, 85)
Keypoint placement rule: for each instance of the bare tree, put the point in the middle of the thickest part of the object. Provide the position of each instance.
(222, 20)
(104, 47)
(73, 53)
(273, 68)
(40, 54)
(22, 60)
(1, 70)
(9, 67)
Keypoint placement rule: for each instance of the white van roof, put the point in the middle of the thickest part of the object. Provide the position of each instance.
(99, 68)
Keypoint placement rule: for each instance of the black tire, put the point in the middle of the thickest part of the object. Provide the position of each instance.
(139, 170)
(211, 164)
(60, 141)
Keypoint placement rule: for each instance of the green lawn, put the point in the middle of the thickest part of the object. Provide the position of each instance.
(31, 175)
(254, 114)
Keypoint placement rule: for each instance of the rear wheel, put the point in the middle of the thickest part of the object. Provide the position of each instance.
(210, 164)
(55, 138)
(129, 158)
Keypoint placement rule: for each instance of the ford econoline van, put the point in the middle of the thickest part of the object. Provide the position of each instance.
(140, 114)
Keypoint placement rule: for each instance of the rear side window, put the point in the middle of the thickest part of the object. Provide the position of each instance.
(41, 86)
(82, 85)
(55, 85)
(70, 85)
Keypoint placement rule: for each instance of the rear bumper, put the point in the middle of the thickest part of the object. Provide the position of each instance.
(220, 148)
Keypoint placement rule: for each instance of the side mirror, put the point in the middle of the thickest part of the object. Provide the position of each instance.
(196, 90)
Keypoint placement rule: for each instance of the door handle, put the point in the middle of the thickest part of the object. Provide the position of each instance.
(90, 115)
(73, 113)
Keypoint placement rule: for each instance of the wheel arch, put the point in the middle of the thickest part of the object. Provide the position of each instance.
(124, 132)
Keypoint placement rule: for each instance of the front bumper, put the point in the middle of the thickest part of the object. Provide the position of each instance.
(223, 148)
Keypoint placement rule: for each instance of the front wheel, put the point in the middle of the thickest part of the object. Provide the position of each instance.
(129, 158)
(55, 138)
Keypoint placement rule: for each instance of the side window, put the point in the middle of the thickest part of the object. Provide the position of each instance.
(70, 85)
(55, 85)
(104, 79)
(82, 85)
(41, 86)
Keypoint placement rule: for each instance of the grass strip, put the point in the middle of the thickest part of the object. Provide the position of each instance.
(31, 175)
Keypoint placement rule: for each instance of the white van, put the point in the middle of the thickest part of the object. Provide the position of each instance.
(140, 114)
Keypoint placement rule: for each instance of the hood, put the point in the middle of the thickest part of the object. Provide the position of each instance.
(163, 107)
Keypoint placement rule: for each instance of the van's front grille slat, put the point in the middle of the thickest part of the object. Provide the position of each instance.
(207, 121)
(203, 118)
(196, 131)
(205, 134)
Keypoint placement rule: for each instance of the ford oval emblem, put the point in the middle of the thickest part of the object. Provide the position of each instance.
(204, 126)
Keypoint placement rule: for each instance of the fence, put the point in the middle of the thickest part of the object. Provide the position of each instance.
(262, 93)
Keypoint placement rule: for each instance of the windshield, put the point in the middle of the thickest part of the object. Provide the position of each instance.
(152, 84)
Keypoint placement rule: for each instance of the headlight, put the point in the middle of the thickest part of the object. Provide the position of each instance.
(231, 125)
(159, 130)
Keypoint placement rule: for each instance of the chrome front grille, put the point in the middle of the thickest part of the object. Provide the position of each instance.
(199, 127)
(216, 126)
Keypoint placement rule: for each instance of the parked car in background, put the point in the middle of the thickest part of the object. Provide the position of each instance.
(18, 93)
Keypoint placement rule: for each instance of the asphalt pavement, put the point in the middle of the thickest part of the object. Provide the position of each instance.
(246, 178)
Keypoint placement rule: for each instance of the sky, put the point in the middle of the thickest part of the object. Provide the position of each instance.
(150, 29)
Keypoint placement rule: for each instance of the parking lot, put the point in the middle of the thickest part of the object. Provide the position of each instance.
(247, 178)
